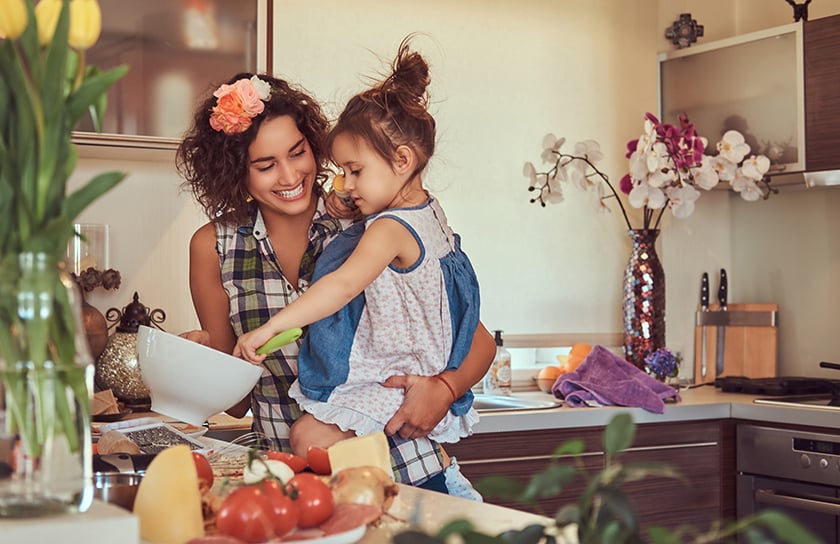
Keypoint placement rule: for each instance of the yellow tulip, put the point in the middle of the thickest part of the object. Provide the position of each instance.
(13, 18)
(46, 15)
(85, 23)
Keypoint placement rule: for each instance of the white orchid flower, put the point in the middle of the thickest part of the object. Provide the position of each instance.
(554, 193)
(644, 195)
(589, 149)
(755, 167)
(531, 173)
(705, 176)
(681, 200)
(657, 157)
(725, 168)
(733, 147)
(638, 165)
(551, 144)
(747, 188)
(662, 177)
(576, 176)
(598, 195)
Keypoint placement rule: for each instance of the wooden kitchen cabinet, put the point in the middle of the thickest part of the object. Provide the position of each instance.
(702, 452)
(821, 43)
(521, 454)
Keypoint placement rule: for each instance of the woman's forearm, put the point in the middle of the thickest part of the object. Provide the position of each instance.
(475, 364)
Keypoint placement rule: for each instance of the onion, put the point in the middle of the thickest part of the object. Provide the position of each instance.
(364, 485)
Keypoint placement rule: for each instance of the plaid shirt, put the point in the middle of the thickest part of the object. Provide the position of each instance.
(257, 289)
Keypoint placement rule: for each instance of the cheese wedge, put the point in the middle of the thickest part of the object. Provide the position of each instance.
(168, 501)
(359, 451)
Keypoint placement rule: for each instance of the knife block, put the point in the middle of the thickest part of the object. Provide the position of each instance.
(750, 346)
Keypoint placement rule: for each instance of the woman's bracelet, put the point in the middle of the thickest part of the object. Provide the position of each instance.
(448, 386)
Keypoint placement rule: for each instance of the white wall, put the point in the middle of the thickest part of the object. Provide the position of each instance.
(501, 79)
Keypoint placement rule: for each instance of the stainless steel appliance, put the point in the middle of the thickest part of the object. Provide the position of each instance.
(793, 471)
(820, 402)
(815, 393)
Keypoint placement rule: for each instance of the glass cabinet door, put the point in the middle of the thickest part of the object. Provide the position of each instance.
(176, 51)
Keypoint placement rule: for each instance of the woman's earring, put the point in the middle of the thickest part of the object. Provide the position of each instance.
(249, 198)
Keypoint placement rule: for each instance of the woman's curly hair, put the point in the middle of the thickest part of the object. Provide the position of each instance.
(214, 165)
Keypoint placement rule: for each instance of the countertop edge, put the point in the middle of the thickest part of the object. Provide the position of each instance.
(696, 405)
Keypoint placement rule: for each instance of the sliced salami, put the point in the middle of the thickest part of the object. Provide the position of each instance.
(348, 516)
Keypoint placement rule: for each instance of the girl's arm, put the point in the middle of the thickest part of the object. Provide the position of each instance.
(210, 300)
(385, 241)
(427, 399)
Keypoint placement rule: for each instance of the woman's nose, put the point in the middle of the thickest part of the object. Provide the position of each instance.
(286, 173)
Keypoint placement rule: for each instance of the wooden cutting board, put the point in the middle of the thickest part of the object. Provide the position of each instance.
(750, 346)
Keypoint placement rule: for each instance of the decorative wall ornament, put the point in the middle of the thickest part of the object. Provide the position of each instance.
(685, 31)
(800, 11)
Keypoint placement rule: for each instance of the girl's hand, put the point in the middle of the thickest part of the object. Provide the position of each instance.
(247, 345)
(426, 402)
(339, 208)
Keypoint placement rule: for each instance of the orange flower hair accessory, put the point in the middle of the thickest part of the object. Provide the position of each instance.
(237, 104)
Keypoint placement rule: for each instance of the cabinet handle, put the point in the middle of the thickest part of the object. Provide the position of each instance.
(525, 458)
(672, 446)
(809, 503)
(586, 454)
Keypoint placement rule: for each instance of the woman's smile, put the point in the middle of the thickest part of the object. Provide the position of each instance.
(291, 194)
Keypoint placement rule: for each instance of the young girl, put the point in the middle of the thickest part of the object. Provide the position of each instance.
(420, 295)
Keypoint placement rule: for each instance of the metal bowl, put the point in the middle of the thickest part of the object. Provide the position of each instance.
(118, 488)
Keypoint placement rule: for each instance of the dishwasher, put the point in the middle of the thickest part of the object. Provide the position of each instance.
(795, 472)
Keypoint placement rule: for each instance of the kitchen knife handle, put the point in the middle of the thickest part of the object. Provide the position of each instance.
(826, 364)
(704, 292)
(722, 290)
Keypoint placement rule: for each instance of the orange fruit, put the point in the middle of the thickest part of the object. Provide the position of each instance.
(577, 354)
(547, 376)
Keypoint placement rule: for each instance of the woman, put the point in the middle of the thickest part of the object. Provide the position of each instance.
(254, 159)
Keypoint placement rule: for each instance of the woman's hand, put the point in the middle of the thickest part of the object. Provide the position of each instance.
(426, 402)
(197, 336)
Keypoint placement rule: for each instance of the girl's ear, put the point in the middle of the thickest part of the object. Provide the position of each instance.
(404, 159)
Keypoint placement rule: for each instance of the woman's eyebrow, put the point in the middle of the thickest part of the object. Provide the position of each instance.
(271, 157)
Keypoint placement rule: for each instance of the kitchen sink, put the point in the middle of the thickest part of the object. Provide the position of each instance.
(516, 401)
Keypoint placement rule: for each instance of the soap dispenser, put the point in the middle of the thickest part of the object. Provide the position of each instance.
(498, 378)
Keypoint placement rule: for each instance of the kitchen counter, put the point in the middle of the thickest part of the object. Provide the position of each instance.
(700, 403)
(705, 402)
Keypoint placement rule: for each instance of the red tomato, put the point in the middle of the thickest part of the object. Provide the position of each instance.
(295, 462)
(246, 514)
(205, 471)
(314, 499)
(318, 460)
(286, 511)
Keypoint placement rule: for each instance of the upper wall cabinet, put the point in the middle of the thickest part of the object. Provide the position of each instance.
(176, 51)
(780, 87)
(752, 83)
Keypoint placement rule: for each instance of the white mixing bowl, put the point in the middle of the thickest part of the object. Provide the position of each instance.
(188, 381)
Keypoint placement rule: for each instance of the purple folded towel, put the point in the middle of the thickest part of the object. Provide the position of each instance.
(610, 380)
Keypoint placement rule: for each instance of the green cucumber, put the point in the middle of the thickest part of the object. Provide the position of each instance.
(285, 337)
